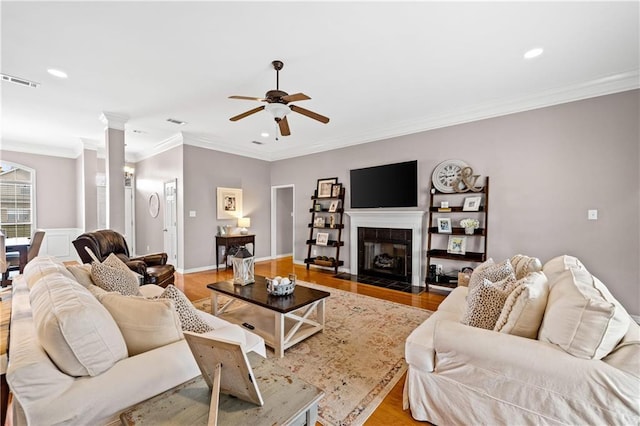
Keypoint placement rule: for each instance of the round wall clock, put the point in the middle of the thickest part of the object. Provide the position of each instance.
(446, 173)
(154, 204)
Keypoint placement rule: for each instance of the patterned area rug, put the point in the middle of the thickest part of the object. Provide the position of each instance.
(359, 357)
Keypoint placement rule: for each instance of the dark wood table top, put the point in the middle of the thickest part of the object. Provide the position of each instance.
(256, 293)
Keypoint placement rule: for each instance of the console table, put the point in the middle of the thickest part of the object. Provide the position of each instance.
(229, 241)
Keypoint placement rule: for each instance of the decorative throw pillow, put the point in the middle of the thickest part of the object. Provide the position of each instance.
(144, 323)
(491, 271)
(114, 279)
(82, 274)
(189, 317)
(42, 266)
(485, 302)
(582, 317)
(524, 308)
(556, 266)
(75, 330)
(523, 265)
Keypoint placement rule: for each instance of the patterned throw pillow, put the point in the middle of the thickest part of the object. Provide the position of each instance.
(189, 318)
(114, 279)
(491, 271)
(524, 308)
(485, 302)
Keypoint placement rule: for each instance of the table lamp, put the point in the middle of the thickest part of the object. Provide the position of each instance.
(243, 224)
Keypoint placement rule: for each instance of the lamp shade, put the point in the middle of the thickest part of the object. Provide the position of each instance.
(278, 110)
(244, 222)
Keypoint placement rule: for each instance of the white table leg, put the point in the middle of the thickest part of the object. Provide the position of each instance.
(279, 335)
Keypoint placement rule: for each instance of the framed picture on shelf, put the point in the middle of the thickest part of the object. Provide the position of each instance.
(335, 189)
(229, 203)
(333, 207)
(457, 245)
(322, 238)
(471, 204)
(324, 187)
(444, 225)
(318, 222)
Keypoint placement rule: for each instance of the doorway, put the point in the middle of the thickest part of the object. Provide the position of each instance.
(171, 221)
(282, 221)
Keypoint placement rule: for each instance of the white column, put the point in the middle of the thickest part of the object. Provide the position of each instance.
(114, 169)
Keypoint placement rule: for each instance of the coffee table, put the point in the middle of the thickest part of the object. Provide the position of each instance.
(282, 321)
(288, 400)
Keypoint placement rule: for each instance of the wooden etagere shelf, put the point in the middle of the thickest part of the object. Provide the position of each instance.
(330, 257)
(456, 212)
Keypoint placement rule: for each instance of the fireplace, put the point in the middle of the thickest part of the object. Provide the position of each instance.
(385, 252)
(408, 221)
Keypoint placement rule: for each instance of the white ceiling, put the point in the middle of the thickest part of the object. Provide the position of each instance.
(377, 69)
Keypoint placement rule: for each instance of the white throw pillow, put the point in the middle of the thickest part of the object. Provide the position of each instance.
(524, 308)
(42, 266)
(523, 265)
(82, 274)
(582, 317)
(75, 330)
(145, 324)
(556, 266)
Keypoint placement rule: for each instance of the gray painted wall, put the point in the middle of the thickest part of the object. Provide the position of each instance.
(284, 221)
(56, 182)
(547, 168)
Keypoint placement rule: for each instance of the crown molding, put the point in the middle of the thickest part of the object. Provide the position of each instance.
(113, 120)
(38, 149)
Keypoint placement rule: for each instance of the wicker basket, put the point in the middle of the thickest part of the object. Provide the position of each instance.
(281, 289)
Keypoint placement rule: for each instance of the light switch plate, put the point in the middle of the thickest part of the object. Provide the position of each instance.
(192, 213)
(592, 214)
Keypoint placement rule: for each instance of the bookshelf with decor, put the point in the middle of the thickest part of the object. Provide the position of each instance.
(463, 217)
(325, 228)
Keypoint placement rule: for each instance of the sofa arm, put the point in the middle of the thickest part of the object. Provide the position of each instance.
(520, 370)
(153, 259)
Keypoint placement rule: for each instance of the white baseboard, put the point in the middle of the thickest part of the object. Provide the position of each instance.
(213, 267)
(280, 256)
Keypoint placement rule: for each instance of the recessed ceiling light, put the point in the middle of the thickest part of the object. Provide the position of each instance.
(264, 134)
(57, 73)
(533, 53)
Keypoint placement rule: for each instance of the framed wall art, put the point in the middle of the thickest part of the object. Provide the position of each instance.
(336, 188)
(322, 238)
(229, 203)
(471, 204)
(324, 187)
(444, 225)
(318, 222)
(333, 207)
(457, 245)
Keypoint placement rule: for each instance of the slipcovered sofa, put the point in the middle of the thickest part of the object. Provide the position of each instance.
(563, 351)
(79, 355)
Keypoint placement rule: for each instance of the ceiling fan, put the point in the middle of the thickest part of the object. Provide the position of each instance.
(278, 104)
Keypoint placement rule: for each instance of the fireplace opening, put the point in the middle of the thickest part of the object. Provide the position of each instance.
(385, 252)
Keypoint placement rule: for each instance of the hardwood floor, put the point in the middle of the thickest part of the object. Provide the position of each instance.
(390, 410)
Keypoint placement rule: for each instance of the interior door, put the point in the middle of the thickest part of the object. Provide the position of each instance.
(171, 222)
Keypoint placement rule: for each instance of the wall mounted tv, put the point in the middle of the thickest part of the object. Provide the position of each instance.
(389, 185)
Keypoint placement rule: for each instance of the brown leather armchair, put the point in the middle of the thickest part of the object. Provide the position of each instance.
(153, 267)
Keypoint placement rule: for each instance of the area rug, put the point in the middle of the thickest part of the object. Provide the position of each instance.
(359, 357)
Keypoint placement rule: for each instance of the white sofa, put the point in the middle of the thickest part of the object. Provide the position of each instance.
(580, 367)
(52, 310)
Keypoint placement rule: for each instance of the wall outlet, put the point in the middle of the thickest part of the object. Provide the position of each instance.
(148, 249)
(192, 213)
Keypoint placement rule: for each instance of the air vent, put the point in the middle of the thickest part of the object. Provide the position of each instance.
(20, 81)
(258, 142)
(175, 121)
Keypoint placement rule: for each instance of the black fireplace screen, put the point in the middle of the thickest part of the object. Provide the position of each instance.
(385, 252)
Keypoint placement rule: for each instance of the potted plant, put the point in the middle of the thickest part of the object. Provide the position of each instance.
(469, 225)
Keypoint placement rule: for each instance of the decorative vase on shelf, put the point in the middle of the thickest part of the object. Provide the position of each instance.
(470, 230)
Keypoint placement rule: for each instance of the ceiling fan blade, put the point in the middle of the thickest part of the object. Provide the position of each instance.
(296, 97)
(310, 114)
(246, 114)
(247, 98)
(284, 126)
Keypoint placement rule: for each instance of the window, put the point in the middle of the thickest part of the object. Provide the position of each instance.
(16, 200)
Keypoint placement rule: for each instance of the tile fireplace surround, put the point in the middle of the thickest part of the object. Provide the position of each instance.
(399, 219)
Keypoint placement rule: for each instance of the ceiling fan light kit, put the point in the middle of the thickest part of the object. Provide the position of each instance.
(277, 104)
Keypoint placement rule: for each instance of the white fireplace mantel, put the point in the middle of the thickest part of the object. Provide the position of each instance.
(399, 219)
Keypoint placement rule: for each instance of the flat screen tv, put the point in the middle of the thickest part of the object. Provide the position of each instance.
(389, 185)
